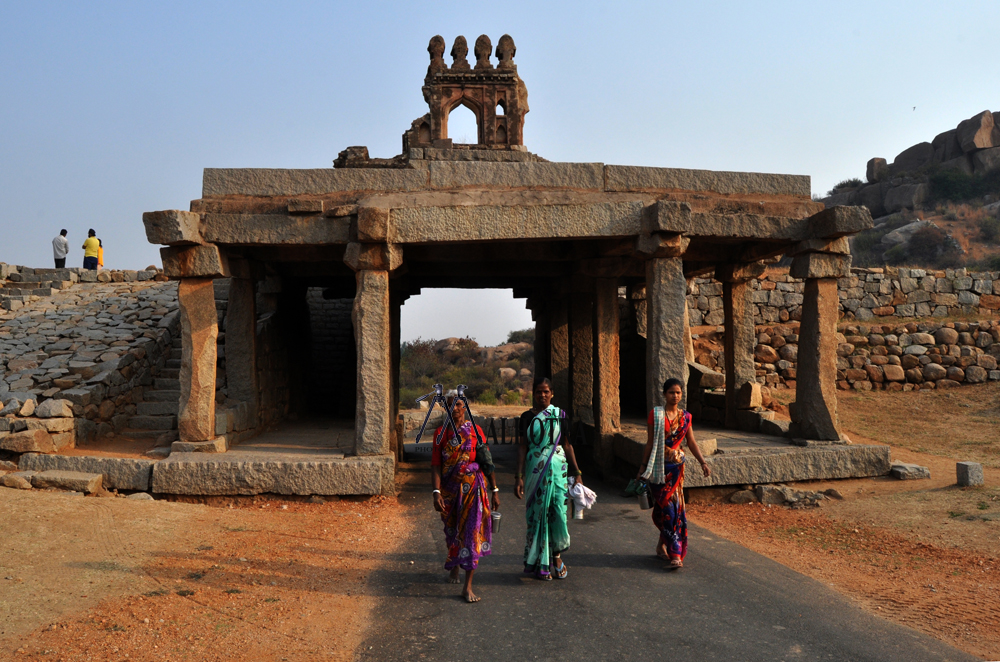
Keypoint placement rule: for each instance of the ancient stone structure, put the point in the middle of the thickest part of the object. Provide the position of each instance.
(564, 236)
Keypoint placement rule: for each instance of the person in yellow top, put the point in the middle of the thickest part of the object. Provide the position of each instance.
(91, 250)
(100, 254)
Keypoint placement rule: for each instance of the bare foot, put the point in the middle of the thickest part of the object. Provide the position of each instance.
(661, 551)
(470, 596)
(453, 577)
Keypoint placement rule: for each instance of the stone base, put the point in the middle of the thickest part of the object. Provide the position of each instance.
(217, 445)
(262, 472)
(75, 481)
(119, 473)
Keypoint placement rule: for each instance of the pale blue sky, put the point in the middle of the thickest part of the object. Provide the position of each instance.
(113, 108)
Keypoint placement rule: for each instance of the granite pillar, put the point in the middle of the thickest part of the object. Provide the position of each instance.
(199, 334)
(607, 407)
(371, 317)
(581, 331)
(241, 344)
(740, 341)
(814, 412)
(559, 353)
(666, 289)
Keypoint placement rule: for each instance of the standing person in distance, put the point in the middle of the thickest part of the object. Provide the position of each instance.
(91, 250)
(100, 254)
(663, 460)
(60, 249)
(459, 492)
(544, 459)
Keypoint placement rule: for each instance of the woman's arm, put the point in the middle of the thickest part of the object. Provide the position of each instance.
(646, 451)
(522, 453)
(436, 485)
(693, 446)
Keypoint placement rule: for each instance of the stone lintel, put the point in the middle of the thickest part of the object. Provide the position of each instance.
(820, 265)
(639, 178)
(734, 273)
(275, 229)
(838, 222)
(172, 227)
(205, 261)
(671, 216)
(839, 246)
(481, 174)
(384, 257)
(285, 181)
(306, 206)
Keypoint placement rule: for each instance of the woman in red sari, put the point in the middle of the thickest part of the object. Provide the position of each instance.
(663, 466)
(460, 496)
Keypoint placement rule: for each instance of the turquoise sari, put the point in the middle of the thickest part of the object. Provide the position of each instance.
(546, 487)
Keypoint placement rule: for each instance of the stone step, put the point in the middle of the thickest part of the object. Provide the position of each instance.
(166, 408)
(163, 395)
(173, 363)
(167, 384)
(169, 373)
(153, 422)
(175, 353)
(75, 481)
(168, 435)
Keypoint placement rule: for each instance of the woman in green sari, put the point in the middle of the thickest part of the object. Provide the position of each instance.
(545, 456)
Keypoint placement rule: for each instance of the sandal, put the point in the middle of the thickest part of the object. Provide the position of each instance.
(562, 571)
(543, 575)
(675, 564)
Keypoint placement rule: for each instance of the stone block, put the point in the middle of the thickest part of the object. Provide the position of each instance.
(306, 206)
(814, 463)
(380, 257)
(277, 229)
(820, 265)
(775, 427)
(704, 377)
(119, 473)
(52, 425)
(28, 441)
(172, 227)
(913, 158)
(977, 132)
(55, 409)
(904, 471)
(217, 445)
(19, 480)
(639, 178)
(281, 181)
(749, 396)
(74, 481)
(194, 262)
(906, 196)
(480, 175)
(969, 474)
(839, 246)
(877, 170)
(986, 160)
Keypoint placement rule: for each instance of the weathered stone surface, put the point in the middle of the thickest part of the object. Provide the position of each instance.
(913, 158)
(75, 481)
(934, 372)
(839, 246)
(969, 474)
(893, 373)
(976, 132)
(241, 343)
(638, 178)
(19, 480)
(871, 197)
(28, 408)
(906, 196)
(281, 181)
(53, 408)
(877, 170)
(666, 289)
(946, 336)
(306, 206)
(559, 352)
(140, 496)
(119, 473)
(815, 411)
(252, 473)
(946, 146)
(962, 163)
(485, 222)
(606, 348)
(986, 160)
(172, 227)
(749, 396)
(194, 262)
(820, 265)
(199, 331)
(379, 257)
(743, 496)
(371, 333)
(820, 463)
(50, 424)
(219, 444)
(671, 216)
(776, 427)
(276, 229)
(905, 471)
(458, 174)
(28, 441)
(739, 343)
(706, 377)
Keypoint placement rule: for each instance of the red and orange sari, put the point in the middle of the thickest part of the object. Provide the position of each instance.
(468, 529)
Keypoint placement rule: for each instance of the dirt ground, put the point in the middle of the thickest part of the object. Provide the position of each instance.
(923, 553)
(154, 580)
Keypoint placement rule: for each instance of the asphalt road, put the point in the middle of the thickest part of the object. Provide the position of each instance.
(618, 603)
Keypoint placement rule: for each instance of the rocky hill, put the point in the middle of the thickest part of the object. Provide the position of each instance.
(937, 204)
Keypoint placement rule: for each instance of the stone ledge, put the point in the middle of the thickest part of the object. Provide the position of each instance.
(793, 464)
(260, 473)
(579, 176)
(639, 178)
(287, 181)
(119, 472)
(75, 481)
(218, 445)
(252, 229)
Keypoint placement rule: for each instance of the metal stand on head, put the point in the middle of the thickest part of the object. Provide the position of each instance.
(438, 398)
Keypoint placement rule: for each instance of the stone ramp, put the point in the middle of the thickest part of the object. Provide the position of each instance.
(749, 458)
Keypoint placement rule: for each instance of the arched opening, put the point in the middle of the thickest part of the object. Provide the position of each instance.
(462, 126)
(500, 109)
(424, 133)
(501, 135)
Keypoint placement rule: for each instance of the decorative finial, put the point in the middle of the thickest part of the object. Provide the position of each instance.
(459, 52)
(484, 47)
(436, 49)
(505, 52)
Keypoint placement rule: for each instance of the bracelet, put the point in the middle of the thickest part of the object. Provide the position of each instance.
(516, 476)
(496, 489)
(579, 473)
(435, 491)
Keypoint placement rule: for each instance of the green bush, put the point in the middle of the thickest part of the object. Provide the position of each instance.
(956, 186)
(989, 228)
(512, 398)
(896, 255)
(486, 398)
(853, 182)
(523, 335)
(927, 244)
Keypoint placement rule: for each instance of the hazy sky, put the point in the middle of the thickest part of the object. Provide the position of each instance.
(113, 108)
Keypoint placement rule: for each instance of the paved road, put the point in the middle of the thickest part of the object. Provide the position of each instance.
(618, 603)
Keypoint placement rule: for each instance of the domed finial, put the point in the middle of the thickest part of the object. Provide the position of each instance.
(484, 47)
(505, 52)
(458, 53)
(436, 50)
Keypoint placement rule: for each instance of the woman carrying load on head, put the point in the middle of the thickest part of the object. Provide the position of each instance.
(663, 466)
(545, 457)
(460, 495)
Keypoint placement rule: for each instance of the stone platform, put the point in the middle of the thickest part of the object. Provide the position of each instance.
(297, 458)
(746, 458)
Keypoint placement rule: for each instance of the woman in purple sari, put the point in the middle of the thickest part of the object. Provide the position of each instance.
(460, 496)
(663, 467)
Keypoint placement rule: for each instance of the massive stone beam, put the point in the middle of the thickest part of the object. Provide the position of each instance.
(275, 229)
